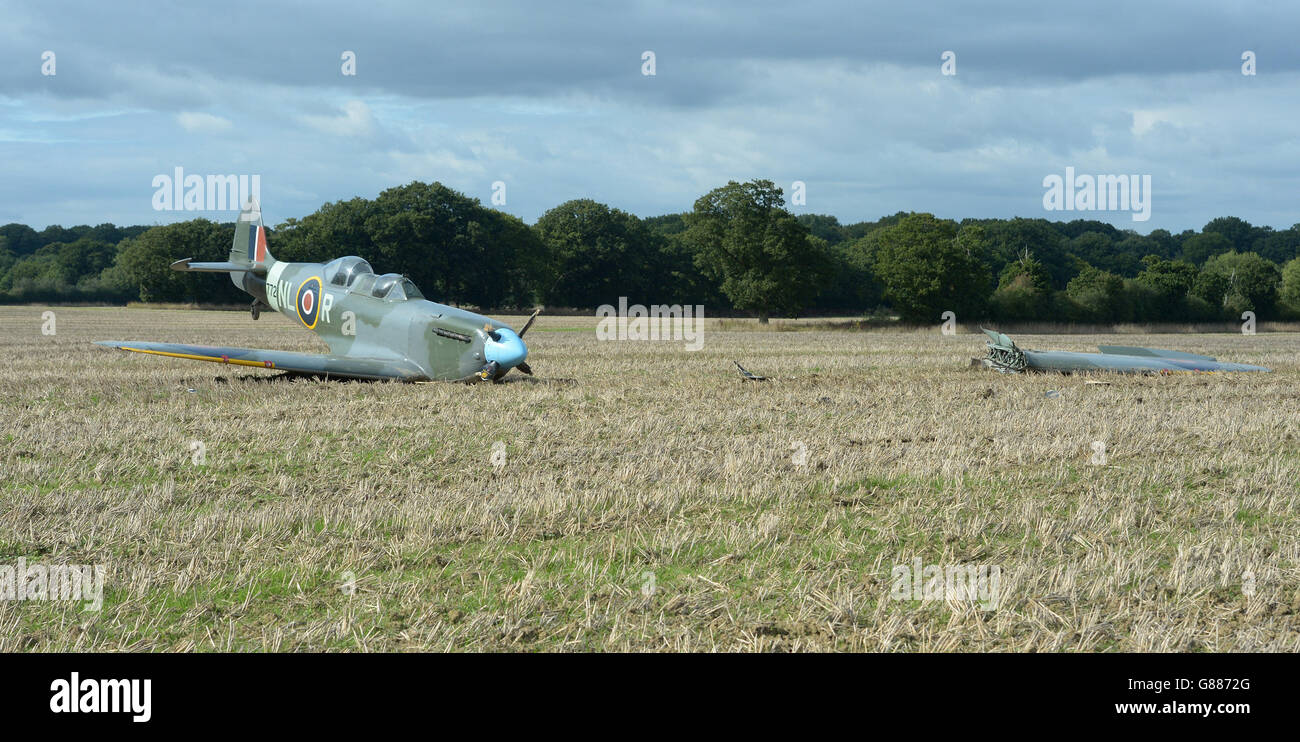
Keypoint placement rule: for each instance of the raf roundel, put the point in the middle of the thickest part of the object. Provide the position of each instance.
(308, 301)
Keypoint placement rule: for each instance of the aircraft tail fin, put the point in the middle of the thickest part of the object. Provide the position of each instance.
(247, 255)
(249, 247)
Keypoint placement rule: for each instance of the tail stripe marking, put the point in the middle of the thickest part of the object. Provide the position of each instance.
(261, 245)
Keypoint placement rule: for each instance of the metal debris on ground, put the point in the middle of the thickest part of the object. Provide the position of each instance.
(746, 375)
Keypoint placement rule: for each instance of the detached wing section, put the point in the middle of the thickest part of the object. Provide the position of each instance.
(1130, 350)
(281, 360)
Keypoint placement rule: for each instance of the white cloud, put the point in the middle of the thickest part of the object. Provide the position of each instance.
(203, 123)
(1146, 120)
(356, 120)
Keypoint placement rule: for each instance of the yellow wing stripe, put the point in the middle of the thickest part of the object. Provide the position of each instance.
(213, 359)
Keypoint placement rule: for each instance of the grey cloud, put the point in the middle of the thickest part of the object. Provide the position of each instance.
(550, 98)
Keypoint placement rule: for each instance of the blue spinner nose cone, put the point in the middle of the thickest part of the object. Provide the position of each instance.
(505, 347)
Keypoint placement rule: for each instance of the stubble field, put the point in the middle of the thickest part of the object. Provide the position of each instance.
(638, 496)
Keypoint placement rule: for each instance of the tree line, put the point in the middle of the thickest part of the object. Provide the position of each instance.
(739, 249)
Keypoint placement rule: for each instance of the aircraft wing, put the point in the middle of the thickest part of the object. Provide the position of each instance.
(1131, 350)
(280, 360)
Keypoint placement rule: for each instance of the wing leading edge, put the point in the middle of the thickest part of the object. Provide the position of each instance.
(280, 360)
(1132, 350)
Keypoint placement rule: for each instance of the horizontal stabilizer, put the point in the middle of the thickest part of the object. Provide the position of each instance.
(999, 339)
(187, 265)
(1130, 350)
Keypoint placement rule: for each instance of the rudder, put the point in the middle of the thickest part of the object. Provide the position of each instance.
(249, 247)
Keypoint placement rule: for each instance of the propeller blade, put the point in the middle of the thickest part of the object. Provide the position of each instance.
(529, 323)
(525, 368)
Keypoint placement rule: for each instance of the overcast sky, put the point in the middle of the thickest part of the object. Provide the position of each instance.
(551, 100)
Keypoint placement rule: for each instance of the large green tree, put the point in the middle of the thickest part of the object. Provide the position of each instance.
(1166, 285)
(1099, 295)
(762, 257)
(1238, 232)
(1024, 290)
(334, 230)
(1289, 292)
(596, 254)
(1281, 246)
(144, 263)
(1099, 250)
(455, 249)
(1198, 248)
(1012, 238)
(929, 266)
(1240, 282)
(853, 284)
(824, 226)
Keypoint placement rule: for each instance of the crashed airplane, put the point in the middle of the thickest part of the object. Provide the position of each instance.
(376, 326)
(1005, 356)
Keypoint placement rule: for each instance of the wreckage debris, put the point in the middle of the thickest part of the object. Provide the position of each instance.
(1005, 356)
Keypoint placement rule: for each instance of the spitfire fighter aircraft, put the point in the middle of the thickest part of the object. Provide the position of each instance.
(376, 326)
(1004, 355)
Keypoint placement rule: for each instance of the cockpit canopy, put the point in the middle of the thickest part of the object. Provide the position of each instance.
(344, 271)
(357, 276)
(395, 287)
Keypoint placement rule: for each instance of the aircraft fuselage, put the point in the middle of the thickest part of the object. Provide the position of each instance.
(358, 319)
